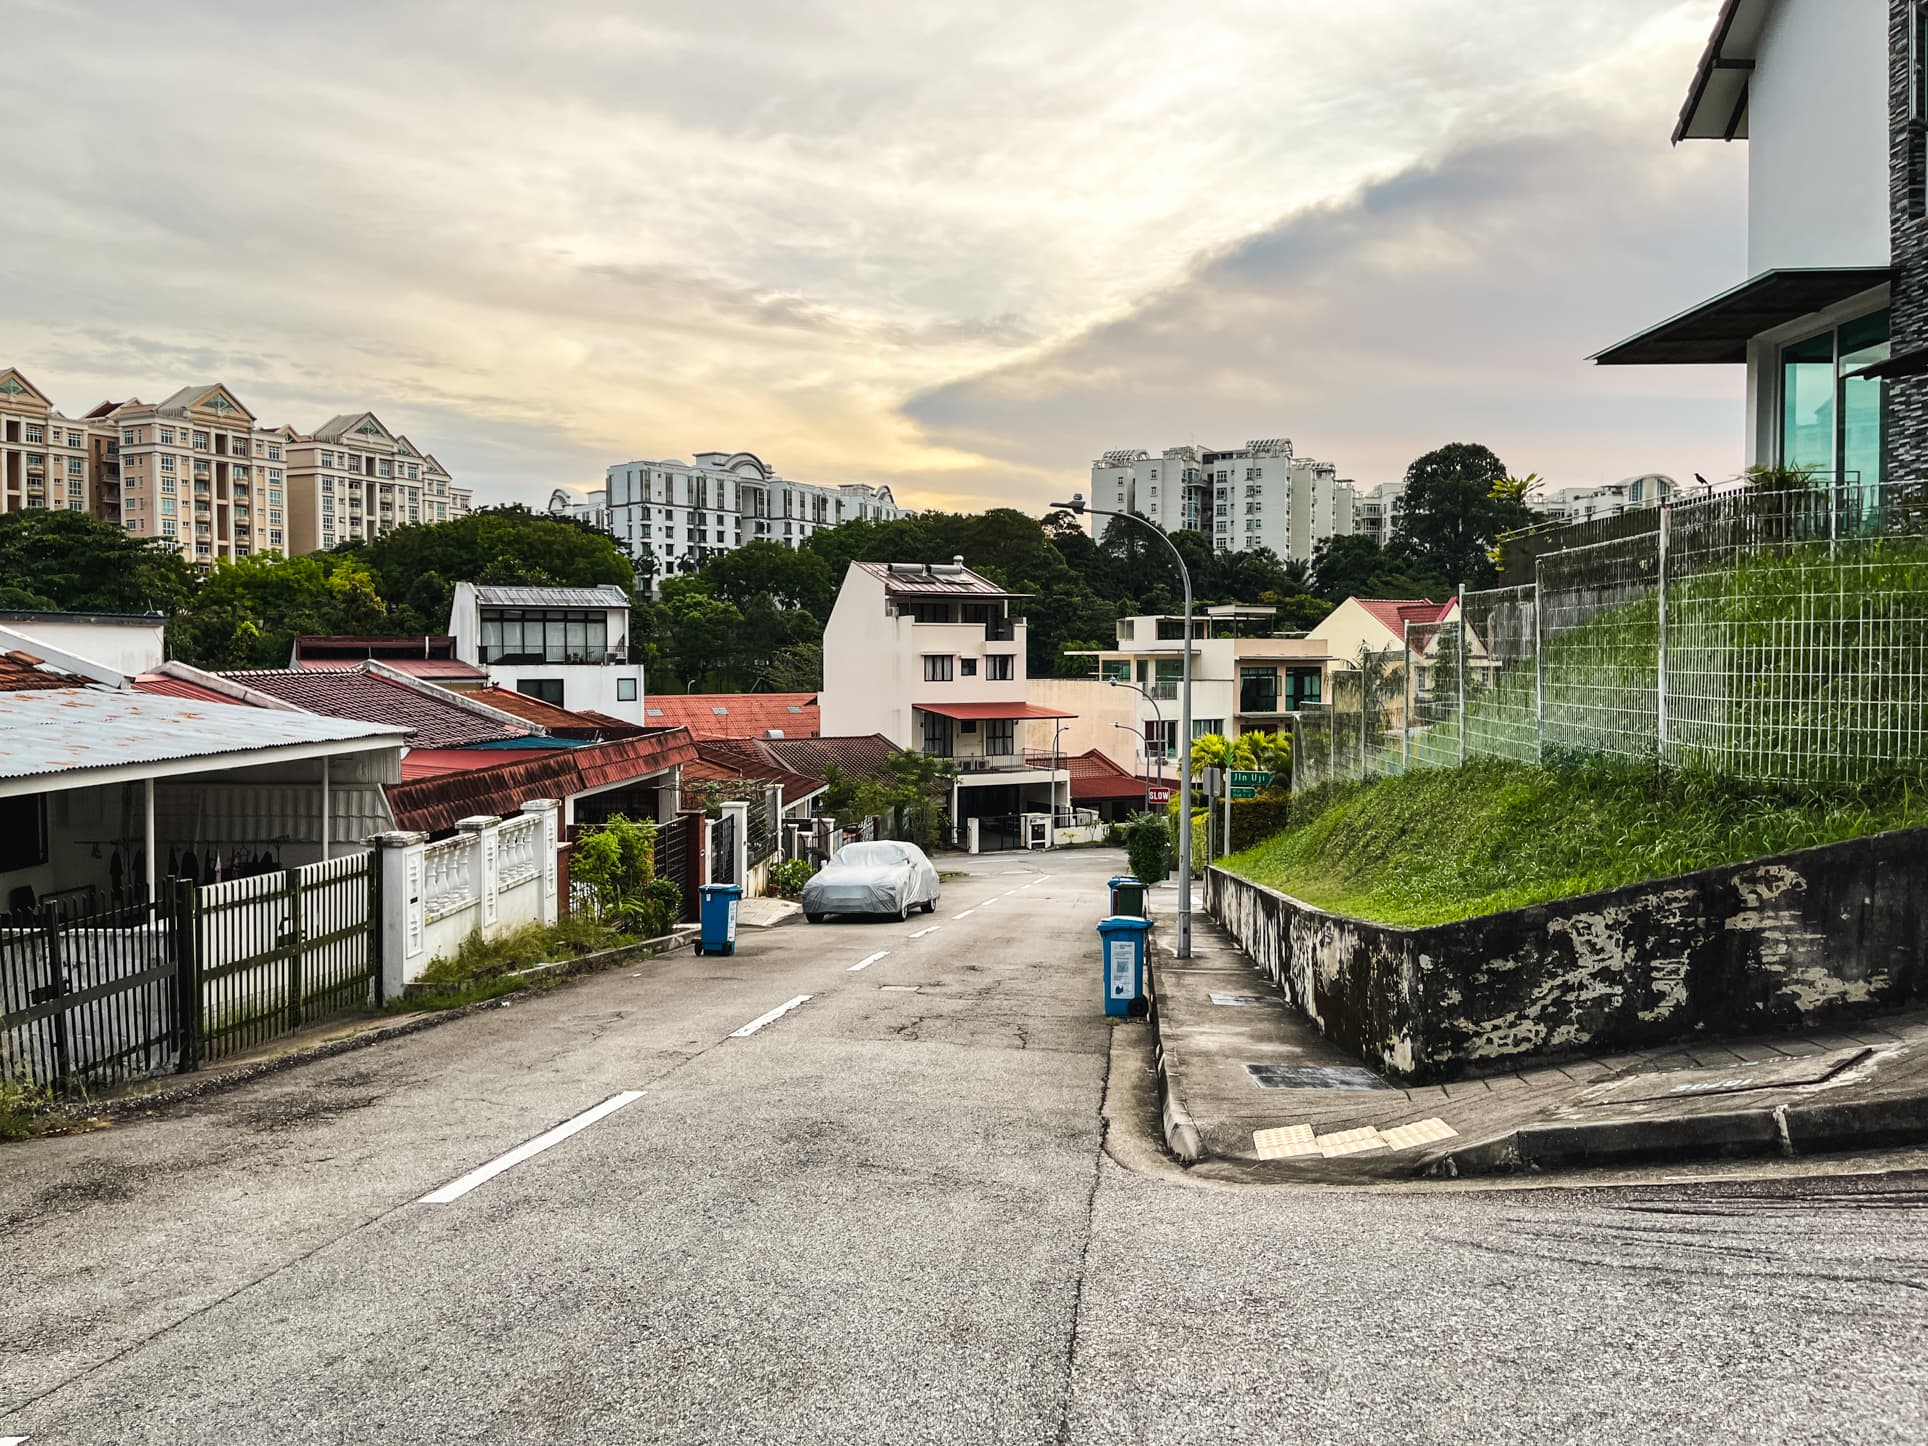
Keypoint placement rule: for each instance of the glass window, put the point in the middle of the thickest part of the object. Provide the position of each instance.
(1807, 403)
(967, 667)
(937, 735)
(998, 668)
(1864, 400)
(937, 667)
(625, 690)
(1000, 737)
(578, 635)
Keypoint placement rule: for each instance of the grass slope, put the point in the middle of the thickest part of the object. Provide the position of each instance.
(1444, 844)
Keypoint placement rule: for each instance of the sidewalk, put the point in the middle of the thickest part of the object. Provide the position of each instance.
(1252, 1091)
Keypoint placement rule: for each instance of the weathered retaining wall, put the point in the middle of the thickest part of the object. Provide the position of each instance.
(1810, 938)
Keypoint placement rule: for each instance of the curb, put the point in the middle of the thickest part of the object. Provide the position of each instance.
(197, 1086)
(1181, 1134)
(1807, 1127)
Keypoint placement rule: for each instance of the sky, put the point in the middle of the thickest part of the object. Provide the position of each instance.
(961, 249)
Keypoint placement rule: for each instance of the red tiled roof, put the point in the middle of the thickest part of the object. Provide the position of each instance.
(414, 667)
(368, 698)
(23, 672)
(727, 759)
(558, 722)
(992, 710)
(161, 684)
(735, 715)
(863, 756)
(1096, 776)
(453, 784)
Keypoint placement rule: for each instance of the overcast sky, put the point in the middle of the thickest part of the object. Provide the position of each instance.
(961, 248)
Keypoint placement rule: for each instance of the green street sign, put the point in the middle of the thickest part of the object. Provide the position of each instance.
(1250, 778)
(1238, 793)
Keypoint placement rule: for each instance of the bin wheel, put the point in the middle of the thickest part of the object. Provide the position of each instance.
(814, 918)
(698, 951)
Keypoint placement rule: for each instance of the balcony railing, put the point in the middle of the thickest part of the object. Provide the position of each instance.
(1164, 692)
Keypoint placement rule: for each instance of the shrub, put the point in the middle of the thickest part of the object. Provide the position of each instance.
(1148, 848)
(1115, 835)
(789, 877)
(654, 912)
(618, 862)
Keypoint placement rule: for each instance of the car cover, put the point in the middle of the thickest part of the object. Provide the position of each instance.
(872, 878)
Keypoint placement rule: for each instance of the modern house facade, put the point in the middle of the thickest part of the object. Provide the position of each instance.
(671, 515)
(1244, 498)
(1583, 504)
(932, 657)
(566, 645)
(1831, 322)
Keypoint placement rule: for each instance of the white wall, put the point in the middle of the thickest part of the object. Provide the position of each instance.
(866, 665)
(134, 646)
(1817, 153)
(593, 686)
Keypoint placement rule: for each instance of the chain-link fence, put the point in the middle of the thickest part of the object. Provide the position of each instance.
(1774, 636)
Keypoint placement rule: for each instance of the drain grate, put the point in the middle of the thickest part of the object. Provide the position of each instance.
(1314, 1077)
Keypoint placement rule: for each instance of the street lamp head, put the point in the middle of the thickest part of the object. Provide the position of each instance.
(1076, 505)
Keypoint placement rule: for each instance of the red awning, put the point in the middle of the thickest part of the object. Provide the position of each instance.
(990, 710)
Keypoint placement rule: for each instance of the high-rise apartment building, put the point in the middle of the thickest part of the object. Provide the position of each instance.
(198, 471)
(1243, 498)
(1374, 511)
(672, 515)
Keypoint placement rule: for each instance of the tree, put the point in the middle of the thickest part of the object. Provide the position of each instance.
(1451, 513)
(70, 562)
(1354, 565)
(248, 612)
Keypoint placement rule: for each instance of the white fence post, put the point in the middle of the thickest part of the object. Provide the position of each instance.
(399, 857)
(480, 832)
(971, 834)
(1462, 675)
(1539, 675)
(1660, 682)
(1406, 696)
(549, 810)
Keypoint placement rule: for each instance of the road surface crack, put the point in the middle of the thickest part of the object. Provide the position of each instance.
(1084, 1259)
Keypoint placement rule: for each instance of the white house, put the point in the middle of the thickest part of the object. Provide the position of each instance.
(1829, 97)
(565, 645)
(930, 656)
(127, 643)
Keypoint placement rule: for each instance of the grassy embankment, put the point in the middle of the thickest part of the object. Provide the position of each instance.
(1445, 843)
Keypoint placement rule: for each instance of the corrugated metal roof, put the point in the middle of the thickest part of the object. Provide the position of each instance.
(604, 595)
(925, 579)
(736, 715)
(57, 731)
(467, 783)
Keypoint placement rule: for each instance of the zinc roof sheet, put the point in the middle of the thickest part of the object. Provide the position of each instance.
(944, 579)
(430, 722)
(55, 731)
(735, 715)
(604, 595)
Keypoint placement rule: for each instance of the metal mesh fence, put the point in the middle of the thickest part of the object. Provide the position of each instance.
(1502, 675)
(1600, 676)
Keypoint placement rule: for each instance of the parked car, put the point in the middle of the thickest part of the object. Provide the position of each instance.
(872, 878)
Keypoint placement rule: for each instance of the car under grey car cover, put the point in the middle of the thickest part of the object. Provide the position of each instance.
(872, 878)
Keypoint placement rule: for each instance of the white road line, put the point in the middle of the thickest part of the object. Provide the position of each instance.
(866, 962)
(1008, 892)
(930, 929)
(762, 1019)
(965, 915)
(456, 1189)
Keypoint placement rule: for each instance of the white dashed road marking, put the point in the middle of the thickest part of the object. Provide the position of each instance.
(456, 1189)
(867, 961)
(762, 1019)
(965, 915)
(927, 929)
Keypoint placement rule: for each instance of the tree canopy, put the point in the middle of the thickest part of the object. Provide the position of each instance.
(70, 562)
(1457, 502)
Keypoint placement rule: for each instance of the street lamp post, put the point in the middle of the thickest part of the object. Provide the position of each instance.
(1144, 748)
(1159, 714)
(1076, 506)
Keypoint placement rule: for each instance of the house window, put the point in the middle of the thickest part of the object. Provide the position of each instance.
(625, 690)
(937, 735)
(1203, 726)
(937, 667)
(1831, 421)
(967, 667)
(1161, 739)
(998, 668)
(547, 689)
(1000, 737)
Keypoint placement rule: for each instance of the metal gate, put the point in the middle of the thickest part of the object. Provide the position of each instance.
(283, 950)
(88, 996)
(723, 850)
(1005, 831)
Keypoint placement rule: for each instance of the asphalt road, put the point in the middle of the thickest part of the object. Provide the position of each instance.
(890, 1214)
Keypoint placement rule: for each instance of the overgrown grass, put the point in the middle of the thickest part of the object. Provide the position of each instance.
(1451, 843)
(26, 1110)
(487, 969)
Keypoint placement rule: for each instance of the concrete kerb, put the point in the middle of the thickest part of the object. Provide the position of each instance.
(181, 1089)
(1181, 1134)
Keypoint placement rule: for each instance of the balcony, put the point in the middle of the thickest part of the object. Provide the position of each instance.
(1164, 692)
(1001, 630)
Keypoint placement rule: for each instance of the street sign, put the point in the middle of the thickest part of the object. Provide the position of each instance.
(1238, 793)
(1159, 796)
(1249, 778)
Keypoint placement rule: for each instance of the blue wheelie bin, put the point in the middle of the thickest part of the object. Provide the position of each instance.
(718, 919)
(1122, 941)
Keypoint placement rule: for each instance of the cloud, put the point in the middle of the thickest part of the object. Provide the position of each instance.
(960, 249)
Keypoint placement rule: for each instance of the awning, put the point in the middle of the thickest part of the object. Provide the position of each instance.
(996, 711)
(1719, 330)
(1905, 364)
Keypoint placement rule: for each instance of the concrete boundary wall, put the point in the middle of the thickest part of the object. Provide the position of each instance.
(1812, 938)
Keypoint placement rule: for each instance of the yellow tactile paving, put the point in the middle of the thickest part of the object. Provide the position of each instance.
(1284, 1143)
(1350, 1142)
(1419, 1132)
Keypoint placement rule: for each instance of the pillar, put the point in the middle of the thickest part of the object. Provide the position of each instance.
(549, 810)
(480, 831)
(741, 836)
(398, 855)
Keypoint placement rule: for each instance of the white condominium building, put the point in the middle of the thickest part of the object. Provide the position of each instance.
(1580, 504)
(1244, 498)
(672, 515)
(198, 471)
(1374, 512)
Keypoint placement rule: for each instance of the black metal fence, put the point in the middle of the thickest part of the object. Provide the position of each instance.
(723, 850)
(99, 996)
(89, 996)
(761, 830)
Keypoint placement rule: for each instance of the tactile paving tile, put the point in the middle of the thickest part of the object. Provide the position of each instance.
(1349, 1142)
(1284, 1143)
(1419, 1132)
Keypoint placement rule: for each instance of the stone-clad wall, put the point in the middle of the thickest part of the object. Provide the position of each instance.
(1907, 432)
(1804, 939)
